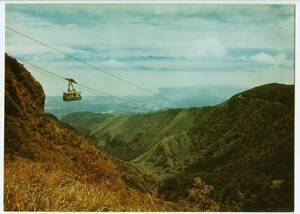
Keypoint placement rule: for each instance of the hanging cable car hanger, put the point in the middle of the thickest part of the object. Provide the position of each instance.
(71, 94)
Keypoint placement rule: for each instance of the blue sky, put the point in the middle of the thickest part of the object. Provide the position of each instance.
(156, 45)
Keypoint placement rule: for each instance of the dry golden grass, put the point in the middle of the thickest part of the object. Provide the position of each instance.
(34, 186)
(60, 171)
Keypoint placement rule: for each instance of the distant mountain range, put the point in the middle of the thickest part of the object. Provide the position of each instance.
(183, 96)
(244, 146)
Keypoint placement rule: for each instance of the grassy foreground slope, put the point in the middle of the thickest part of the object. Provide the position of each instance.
(243, 147)
(50, 167)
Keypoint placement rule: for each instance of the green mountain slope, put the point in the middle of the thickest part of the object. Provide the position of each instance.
(247, 143)
(129, 135)
(240, 146)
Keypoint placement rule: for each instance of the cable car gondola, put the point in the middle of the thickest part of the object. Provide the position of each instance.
(71, 94)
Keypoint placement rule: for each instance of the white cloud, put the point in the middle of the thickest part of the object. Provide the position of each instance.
(206, 48)
(243, 57)
(265, 58)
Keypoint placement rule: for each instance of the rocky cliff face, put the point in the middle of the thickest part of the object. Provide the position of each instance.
(23, 94)
(48, 165)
